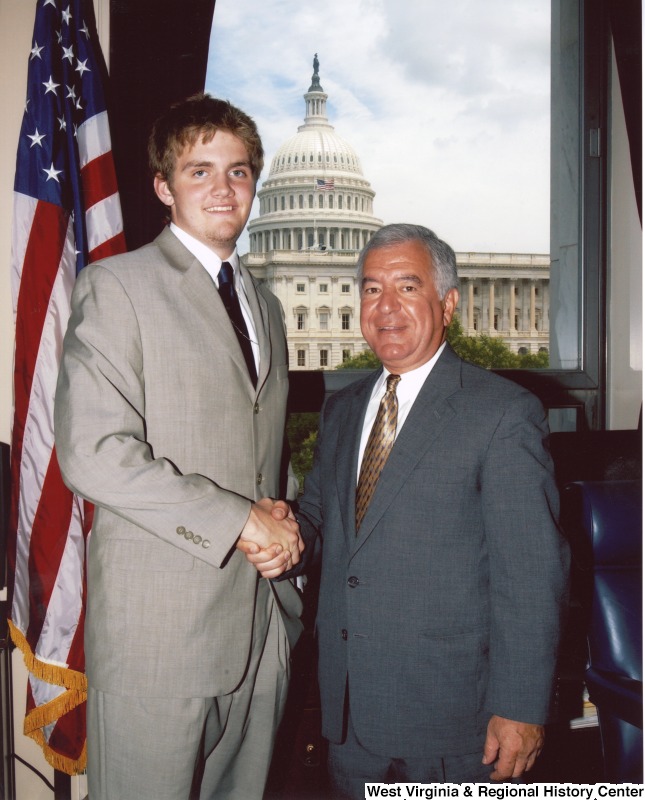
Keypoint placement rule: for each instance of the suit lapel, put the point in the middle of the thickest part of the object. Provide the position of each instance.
(198, 286)
(260, 314)
(429, 415)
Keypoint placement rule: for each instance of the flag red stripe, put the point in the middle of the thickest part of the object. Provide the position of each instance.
(99, 179)
(47, 545)
(68, 736)
(39, 271)
(40, 267)
(110, 247)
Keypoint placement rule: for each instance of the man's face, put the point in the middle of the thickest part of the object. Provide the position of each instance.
(402, 318)
(210, 191)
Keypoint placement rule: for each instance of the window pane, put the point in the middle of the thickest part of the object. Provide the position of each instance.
(564, 287)
(491, 114)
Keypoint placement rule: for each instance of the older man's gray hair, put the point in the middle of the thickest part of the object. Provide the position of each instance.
(443, 256)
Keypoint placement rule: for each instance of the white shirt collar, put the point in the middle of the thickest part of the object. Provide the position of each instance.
(412, 381)
(407, 392)
(211, 262)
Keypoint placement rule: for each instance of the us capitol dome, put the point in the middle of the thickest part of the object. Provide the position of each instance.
(316, 213)
(316, 195)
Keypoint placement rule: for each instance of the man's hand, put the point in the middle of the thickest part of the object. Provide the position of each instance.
(513, 746)
(271, 539)
(280, 510)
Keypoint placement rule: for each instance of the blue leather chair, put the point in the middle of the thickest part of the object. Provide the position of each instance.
(611, 517)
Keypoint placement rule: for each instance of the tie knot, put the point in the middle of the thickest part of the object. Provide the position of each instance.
(392, 381)
(225, 274)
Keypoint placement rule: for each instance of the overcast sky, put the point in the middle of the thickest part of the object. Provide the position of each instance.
(445, 103)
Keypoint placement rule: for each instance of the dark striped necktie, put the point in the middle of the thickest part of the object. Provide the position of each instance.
(231, 302)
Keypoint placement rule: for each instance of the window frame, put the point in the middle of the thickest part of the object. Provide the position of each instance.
(581, 390)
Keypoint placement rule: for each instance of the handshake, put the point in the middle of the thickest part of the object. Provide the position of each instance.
(271, 538)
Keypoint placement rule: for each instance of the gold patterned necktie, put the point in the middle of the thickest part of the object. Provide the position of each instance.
(378, 448)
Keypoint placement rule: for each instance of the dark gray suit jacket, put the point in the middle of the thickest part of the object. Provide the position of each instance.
(447, 608)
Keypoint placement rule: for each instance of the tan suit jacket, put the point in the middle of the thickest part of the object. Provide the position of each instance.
(158, 424)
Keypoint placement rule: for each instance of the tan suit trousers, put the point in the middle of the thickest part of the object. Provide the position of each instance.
(189, 748)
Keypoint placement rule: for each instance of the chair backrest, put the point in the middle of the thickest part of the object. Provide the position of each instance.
(611, 516)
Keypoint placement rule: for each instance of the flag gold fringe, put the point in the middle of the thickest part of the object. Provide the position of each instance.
(50, 673)
(35, 720)
(63, 764)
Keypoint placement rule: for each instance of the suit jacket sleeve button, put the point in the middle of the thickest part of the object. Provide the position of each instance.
(181, 530)
(197, 539)
(206, 544)
(343, 634)
(353, 582)
(189, 535)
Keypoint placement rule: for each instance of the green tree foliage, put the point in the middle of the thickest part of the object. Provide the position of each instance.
(302, 430)
(491, 352)
(534, 360)
(364, 360)
(304, 461)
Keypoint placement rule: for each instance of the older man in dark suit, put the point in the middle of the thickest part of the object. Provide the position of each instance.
(433, 504)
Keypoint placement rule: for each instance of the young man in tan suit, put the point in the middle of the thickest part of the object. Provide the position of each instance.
(170, 415)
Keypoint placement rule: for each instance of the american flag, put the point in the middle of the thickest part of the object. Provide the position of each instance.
(324, 184)
(66, 214)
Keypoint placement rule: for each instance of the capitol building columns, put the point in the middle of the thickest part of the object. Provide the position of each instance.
(469, 321)
(505, 295)
(512, 319)
(491, 307)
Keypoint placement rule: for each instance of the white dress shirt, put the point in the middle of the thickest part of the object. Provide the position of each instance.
(212, 263)
(407, 391)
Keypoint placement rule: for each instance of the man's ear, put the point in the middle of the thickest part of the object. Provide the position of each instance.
(162, 190)
(449, 304)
